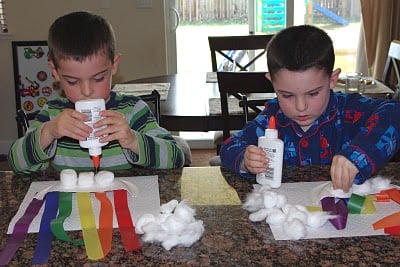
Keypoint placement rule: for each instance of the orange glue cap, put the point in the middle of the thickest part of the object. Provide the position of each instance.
(272, 123)
(96, 161)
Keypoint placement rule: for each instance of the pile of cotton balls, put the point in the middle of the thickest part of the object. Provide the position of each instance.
(265, 204)
(70, 179)
(175, 225)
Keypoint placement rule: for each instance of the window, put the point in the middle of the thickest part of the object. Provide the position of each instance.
(3, 23)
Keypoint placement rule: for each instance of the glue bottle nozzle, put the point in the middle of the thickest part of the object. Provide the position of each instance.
(272, 123)
(96, 162)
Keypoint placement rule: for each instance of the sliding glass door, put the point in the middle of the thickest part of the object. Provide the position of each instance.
(187, 44)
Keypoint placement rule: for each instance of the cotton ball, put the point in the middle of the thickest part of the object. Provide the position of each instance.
(270, 199)
(184, 212)
(104, 178)
(301, 208)
(153, 232)
(264, 188)
(173, 225)
(381, 183)
(170, 242)
(295, 229)
(254, 202)
(68, 178)
(142, 221)
(340, 193)
(286, 208)
(281, 200)
(317, 219)
(276, 217)
(86, 179)
(296, 214)
(162, 217)
(362, 189)
(169, 207)
(259, 215)
(190, 234)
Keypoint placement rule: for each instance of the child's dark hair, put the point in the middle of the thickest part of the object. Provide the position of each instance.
(79, 35)
(299, 48)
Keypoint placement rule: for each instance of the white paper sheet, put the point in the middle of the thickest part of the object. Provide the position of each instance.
(147, 201)
(357, 224)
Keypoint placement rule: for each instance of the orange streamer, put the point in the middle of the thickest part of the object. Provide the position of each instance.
(394, 194)
(388, 221)
(105, 222)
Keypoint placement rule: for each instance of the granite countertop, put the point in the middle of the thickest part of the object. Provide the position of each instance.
(230, 239)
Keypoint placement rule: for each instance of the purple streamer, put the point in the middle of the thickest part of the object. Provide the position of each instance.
(336, 208)
(20, 231)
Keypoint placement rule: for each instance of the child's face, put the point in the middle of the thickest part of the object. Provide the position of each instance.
(88, 79)
(304, 95)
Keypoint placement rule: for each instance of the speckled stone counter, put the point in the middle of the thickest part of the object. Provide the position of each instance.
(230, 239)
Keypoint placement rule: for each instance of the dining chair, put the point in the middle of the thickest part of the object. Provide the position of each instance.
(23, 119)
(257, 105)
(250, 89)
(153, 99)
(393, 64)
(240, 84)
(228, 52)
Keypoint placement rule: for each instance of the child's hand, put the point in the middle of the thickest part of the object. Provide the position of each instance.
(254, 160)
(116, 128)
(69, 123)
(343, 172)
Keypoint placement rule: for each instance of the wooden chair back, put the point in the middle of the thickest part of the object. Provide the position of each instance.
(393, 66)
(232, 49)
(238, 85)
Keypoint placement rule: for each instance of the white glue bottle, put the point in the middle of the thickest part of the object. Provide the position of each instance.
(91, 108)
(273, 148)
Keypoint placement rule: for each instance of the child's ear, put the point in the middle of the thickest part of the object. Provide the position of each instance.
(334, 77)
(268, 76)
(117, 59)
(53, 70)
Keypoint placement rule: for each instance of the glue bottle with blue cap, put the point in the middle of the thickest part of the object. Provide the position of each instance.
(273, 149)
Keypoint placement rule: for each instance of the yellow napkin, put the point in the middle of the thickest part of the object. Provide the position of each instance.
(207, 186)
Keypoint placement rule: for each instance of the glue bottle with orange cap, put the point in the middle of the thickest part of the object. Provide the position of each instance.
(273, 149)
(91, 108)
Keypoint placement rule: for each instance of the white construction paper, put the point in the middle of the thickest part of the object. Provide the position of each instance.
(357, 224)
(146, 201)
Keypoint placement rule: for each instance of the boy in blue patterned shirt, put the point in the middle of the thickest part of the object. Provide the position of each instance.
(82, 58)
(355, 134)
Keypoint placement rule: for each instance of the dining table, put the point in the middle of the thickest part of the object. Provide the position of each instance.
(192, 102)
(229, 238)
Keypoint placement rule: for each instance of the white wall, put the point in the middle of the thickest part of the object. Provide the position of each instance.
(140, 39)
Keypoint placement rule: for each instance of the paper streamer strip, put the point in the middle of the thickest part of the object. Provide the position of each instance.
(45, 236)
(20, 231)
(105, 222)
(65, 209)
(388, 221)
(128, 234)
(339, 208)
(394, 194)
(361, 204)
(393, 230)
(88, 223)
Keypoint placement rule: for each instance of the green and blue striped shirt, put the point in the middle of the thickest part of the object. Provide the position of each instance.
(157, 147)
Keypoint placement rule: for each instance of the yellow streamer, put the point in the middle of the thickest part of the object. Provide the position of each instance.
(94, 250)
(369, 206)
